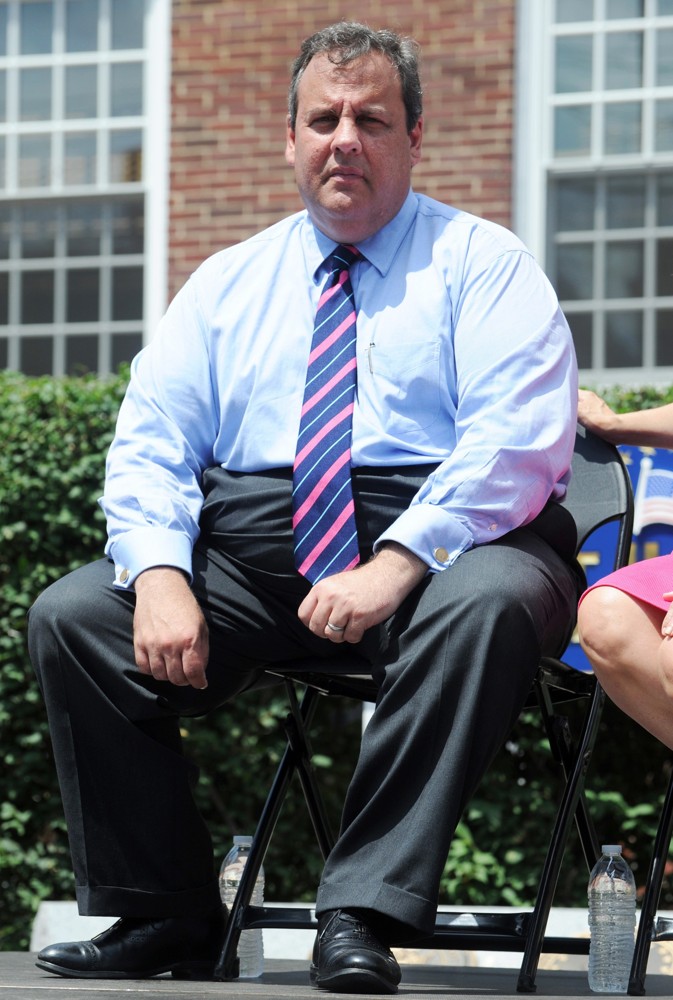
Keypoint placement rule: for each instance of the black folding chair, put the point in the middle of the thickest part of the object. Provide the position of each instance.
(600, 493)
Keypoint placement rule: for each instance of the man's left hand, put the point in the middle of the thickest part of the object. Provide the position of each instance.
(342, 607)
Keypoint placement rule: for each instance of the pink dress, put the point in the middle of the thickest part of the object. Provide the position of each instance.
(646, 580)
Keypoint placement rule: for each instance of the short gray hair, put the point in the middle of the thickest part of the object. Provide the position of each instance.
(348, 40)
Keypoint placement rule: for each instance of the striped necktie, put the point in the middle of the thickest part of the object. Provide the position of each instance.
(325, 538)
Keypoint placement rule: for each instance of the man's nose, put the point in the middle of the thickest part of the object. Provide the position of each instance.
(346, 137)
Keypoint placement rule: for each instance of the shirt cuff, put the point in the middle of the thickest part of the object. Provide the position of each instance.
(144, 548)
(434, 535)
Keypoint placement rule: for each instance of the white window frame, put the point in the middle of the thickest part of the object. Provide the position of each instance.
(153, 187)
(534, 164)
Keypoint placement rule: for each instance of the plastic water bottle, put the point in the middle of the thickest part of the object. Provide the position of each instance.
(612, 921)
(251, 943)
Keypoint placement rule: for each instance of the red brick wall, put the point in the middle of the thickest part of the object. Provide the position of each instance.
(230, 70)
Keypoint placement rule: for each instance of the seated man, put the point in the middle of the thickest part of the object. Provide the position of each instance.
(274, 491)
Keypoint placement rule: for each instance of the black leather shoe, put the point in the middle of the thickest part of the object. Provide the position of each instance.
(187, 947)
(349, 958)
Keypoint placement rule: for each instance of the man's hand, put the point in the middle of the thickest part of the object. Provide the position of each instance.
(356, 600)
(170, 635)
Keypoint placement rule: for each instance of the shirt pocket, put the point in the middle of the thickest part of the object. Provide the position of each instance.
(404, 384)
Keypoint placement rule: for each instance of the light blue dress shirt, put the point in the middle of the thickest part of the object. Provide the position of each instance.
(464, 359)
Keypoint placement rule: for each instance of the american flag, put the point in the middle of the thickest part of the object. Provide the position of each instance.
(654, 496)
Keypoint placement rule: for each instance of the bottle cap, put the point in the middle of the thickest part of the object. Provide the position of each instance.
(608, 848)
(246, 841)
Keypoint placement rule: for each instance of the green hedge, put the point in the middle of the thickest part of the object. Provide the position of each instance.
(55, 434)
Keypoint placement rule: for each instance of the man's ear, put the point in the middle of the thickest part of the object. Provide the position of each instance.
(289, 144)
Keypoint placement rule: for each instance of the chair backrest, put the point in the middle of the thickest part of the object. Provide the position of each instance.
(600, 492)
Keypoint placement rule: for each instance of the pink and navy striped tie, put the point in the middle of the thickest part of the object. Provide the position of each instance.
(325, 538)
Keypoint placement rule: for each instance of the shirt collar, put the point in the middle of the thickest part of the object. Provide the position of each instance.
(379, 249)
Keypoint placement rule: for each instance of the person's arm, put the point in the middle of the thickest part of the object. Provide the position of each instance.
(653, 427)
(515, 415)
(152, 497)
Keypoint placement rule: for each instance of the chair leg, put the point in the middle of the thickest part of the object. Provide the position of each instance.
(537, 924)
(227, 967)
(297, 735)
(648, 910)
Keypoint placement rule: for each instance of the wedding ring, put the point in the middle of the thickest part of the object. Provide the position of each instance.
(336, 628)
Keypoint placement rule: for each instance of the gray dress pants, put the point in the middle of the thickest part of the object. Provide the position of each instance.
(454, 665)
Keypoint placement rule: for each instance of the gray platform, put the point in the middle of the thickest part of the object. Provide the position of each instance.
(21, 980)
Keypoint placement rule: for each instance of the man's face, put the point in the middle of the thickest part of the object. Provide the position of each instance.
(350, 149)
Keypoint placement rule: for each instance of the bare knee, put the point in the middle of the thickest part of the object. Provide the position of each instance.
(601, 626)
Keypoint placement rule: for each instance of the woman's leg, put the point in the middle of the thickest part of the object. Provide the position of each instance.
(632, 660)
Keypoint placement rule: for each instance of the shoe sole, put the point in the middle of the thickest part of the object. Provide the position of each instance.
(352, 981)
(195, 970)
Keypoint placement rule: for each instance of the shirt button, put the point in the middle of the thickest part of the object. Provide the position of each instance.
(441, 555)
(124, 575)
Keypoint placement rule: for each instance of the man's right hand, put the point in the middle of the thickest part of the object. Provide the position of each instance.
(170, 635)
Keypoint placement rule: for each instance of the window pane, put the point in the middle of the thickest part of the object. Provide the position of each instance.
(581, 325)
(127, 293)
(573, 10)
(82, 295)
(81, 25)
(128, 227)
(35, 95)
(572, 131)
(3, 96)
(665, 267)
(125, 346)
(624, 340)
(624, 270)
(624, 8)
(5, 231)
(574, 205)
(623, 59)
(665, 200)
(126, 156)
(665, 337)
(127, 24)
(625, 202)
(663, 125)
(4, 352)
(664, 71)
(575, 271)
(573, 63)
(622, 127)
(36, 355)
(81, 92)
(79, 164)
(83, 229)
(37, 297)
(34, 161)
(81, 354)
(37, 231)
(35, 26)
(4, 299)
(3, 29)
(3, 163)
(664, 7)
(126, 89)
